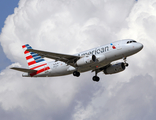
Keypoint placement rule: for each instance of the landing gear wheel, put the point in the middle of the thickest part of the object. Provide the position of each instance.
(75, 73)
(96, 78)
(126, 64)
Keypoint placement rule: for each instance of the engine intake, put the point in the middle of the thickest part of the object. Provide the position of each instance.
(116, 68)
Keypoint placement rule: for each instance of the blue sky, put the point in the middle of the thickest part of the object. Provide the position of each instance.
(6, 8)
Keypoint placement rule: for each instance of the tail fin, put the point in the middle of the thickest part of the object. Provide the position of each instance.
(35, 62)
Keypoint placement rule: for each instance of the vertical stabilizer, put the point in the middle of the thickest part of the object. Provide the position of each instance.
(35, 61)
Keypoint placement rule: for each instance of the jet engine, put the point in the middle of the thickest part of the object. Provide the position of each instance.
(86, 60)
(100, 58)
(116, 68)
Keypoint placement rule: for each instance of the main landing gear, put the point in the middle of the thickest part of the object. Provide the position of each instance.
(96, 78)
(75, 73)
(125, 62)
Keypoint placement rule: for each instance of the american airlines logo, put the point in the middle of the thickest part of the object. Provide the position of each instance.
(95, 51)
(113, 46)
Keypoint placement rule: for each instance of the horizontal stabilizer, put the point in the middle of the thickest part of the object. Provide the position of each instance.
(23, 70)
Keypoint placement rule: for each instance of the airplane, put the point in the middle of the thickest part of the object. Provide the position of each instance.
(97, 60)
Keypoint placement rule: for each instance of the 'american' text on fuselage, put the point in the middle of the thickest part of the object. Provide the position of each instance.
(95, 51)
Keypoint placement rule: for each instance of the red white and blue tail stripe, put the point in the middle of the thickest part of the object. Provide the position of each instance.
(35, 62)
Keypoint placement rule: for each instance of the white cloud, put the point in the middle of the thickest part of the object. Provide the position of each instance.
(141, 25)
(70, 27)
(3, 60)
(135, 100)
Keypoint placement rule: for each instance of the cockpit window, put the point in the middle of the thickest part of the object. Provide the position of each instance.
(131, 41)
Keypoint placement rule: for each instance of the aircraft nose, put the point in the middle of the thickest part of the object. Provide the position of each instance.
(139, 46)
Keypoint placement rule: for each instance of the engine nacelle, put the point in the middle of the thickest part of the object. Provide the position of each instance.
(116, 68)
(86, 60)
(100, 58)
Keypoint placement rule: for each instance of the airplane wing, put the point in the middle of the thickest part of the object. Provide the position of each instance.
(69, 59)
(23, 70)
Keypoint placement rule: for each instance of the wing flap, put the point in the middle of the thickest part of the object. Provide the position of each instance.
(23, 70)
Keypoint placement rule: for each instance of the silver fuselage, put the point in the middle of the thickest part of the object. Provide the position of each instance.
(110, 52)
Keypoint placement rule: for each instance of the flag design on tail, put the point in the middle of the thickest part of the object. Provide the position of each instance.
(35, 62)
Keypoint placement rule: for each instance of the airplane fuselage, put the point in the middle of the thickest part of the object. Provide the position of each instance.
(104, 56)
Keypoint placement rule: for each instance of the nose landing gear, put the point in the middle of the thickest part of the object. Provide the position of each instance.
(125, 62)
